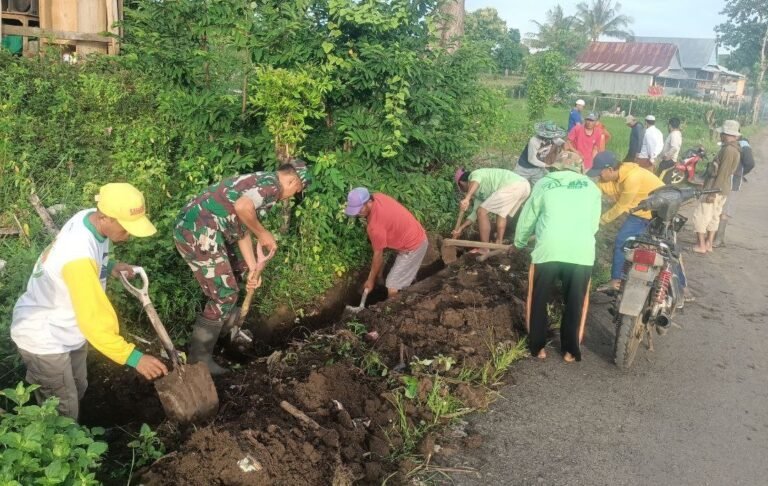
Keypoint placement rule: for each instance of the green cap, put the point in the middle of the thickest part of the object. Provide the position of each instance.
(549, 129)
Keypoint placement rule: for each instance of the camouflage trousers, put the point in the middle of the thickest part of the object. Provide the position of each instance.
(215, 264)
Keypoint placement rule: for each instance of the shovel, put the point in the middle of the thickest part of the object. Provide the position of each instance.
(354, 310)
(187, 393)
(448, 248)
(236, 334)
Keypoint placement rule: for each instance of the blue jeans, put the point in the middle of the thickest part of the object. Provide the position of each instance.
(633, 226)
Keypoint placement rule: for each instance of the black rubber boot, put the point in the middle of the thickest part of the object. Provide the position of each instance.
(720, 235)
(204, 337)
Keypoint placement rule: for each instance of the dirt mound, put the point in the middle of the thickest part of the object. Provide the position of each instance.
(458, 312)
(334, 410)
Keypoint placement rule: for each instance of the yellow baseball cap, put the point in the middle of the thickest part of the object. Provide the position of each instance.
(125, 203)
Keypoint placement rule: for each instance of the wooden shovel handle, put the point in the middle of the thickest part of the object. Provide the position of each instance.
(248, 299)
(458, 220)
(246, 304)
(474, 244)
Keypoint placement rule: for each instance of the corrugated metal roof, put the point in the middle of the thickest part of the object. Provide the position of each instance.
(694, 53)
(716, 68)
(627, 57)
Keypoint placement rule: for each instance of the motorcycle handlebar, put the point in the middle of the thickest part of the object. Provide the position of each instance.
(648, 204)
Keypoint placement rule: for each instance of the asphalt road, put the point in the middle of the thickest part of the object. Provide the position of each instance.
(694, 412)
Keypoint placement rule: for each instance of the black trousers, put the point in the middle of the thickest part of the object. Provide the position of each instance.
(575, 280)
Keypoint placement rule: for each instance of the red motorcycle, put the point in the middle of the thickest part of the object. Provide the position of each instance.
(685, 170)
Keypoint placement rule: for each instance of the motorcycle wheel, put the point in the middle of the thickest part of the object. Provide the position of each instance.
(629, 335)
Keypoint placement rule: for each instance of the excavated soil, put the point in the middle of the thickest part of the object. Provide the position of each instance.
(348, 433)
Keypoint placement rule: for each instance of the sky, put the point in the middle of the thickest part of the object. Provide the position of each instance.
(667, 18)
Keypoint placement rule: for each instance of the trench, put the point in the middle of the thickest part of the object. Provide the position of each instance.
(119, 400)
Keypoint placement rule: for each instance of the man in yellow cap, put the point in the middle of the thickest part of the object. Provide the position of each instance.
(65, 306)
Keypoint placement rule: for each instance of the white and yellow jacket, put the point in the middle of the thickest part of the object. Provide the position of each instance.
(65, 303)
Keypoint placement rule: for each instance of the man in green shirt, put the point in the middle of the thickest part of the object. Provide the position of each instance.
(497, 191)
(564, 214)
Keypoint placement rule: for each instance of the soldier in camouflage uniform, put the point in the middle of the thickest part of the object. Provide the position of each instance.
(209, 230)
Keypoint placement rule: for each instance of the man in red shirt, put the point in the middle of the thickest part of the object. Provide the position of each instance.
(390, 225)
(585, 140)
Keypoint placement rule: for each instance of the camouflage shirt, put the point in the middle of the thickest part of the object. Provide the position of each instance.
(214, 208)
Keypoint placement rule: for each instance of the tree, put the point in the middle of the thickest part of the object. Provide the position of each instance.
(451, 24)
(510, 52)
(746, 31)
(485, 26)
(488, 32)
(547, 79)
(603, 18)
(559, 33)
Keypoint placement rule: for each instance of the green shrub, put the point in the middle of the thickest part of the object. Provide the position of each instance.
(188, 103)
(38, 446)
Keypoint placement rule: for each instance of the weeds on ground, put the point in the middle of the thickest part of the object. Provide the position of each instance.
(373, 365)
(146, 448)
(502, 357)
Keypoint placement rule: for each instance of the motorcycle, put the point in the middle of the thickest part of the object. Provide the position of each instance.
(684, 170)
(651, 290)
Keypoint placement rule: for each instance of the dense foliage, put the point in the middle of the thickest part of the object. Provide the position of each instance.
(559, 32)
(38, 446)
(746, 32)
(548, 80)
(222, 87)
(489, 32)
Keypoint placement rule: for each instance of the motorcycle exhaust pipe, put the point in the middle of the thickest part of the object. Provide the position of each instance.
(663, 320)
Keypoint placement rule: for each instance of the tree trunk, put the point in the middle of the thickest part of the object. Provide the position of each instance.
(760, 81)
(452, 27)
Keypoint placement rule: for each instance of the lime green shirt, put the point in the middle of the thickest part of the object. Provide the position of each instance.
(489, 181)
(564, 214)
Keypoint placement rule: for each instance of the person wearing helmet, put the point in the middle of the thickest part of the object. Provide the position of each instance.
(563, 213)
(221, 218)
(65, 307)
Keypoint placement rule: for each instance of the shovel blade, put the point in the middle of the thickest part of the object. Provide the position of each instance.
(448, 254)
(187, 394)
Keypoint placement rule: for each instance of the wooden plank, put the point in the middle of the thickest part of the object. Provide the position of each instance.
(110, 21)
(474, 244)
(44, 215)
(56, 34)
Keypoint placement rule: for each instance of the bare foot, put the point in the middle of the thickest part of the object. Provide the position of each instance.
(479, 251)
(542, 354)
(699, 249)
(710, 249)
(568, 358)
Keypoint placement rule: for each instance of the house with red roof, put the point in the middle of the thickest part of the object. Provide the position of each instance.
(629, 68)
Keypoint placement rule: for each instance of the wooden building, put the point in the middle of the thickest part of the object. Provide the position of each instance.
(78, 26)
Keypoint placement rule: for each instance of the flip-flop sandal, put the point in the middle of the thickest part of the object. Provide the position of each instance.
(607, 288)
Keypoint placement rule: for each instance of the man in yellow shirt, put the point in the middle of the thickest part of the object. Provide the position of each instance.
(627, 184)
(65, 307)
